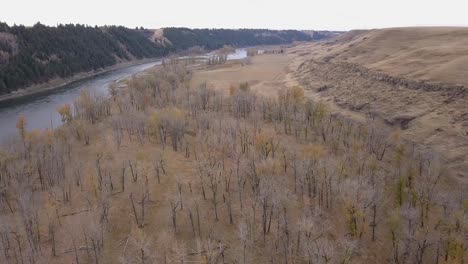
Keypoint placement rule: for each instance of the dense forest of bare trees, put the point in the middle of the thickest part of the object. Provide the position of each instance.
(163, 172)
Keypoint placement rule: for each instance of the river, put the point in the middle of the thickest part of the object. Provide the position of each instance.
(40, 109)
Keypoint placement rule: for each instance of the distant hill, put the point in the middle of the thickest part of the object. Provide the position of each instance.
(183, 38)
(34, 55)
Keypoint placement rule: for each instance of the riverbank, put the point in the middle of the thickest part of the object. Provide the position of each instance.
(39, 107)
(60, 83)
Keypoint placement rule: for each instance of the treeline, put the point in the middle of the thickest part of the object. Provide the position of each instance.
(183, 38)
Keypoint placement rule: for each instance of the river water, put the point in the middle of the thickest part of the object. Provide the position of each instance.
(40, 110)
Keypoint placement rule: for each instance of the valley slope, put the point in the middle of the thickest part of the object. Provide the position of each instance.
(411, 78)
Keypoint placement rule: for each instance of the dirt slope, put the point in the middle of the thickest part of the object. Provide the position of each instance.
(412, 78)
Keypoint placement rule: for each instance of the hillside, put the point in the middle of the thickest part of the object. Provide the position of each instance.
(411, 78)
(33, 55)
(426, 54)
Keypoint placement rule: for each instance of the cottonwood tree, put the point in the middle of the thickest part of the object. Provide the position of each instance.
(357, 197)
(65, 113)
(244, 237)
(173, 208)
(424, 189)
(91, 108)
(168, 123)
(139, 248)
(214, 177)
(21, 126)
(29, 215)
(140, 218)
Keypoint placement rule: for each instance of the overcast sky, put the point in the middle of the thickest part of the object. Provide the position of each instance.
(285, 14)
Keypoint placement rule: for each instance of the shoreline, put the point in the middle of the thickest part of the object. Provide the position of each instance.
(58, 84)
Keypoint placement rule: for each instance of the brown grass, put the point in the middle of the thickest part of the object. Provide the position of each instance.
(265, 74)
(429, 54)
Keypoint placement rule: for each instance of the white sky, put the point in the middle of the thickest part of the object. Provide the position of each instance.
(285, 14)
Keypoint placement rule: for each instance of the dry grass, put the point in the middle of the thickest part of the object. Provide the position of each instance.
(265, 74)
(430, 54)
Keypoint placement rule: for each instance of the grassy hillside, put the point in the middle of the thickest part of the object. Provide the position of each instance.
(33, 55)
(435, 54)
